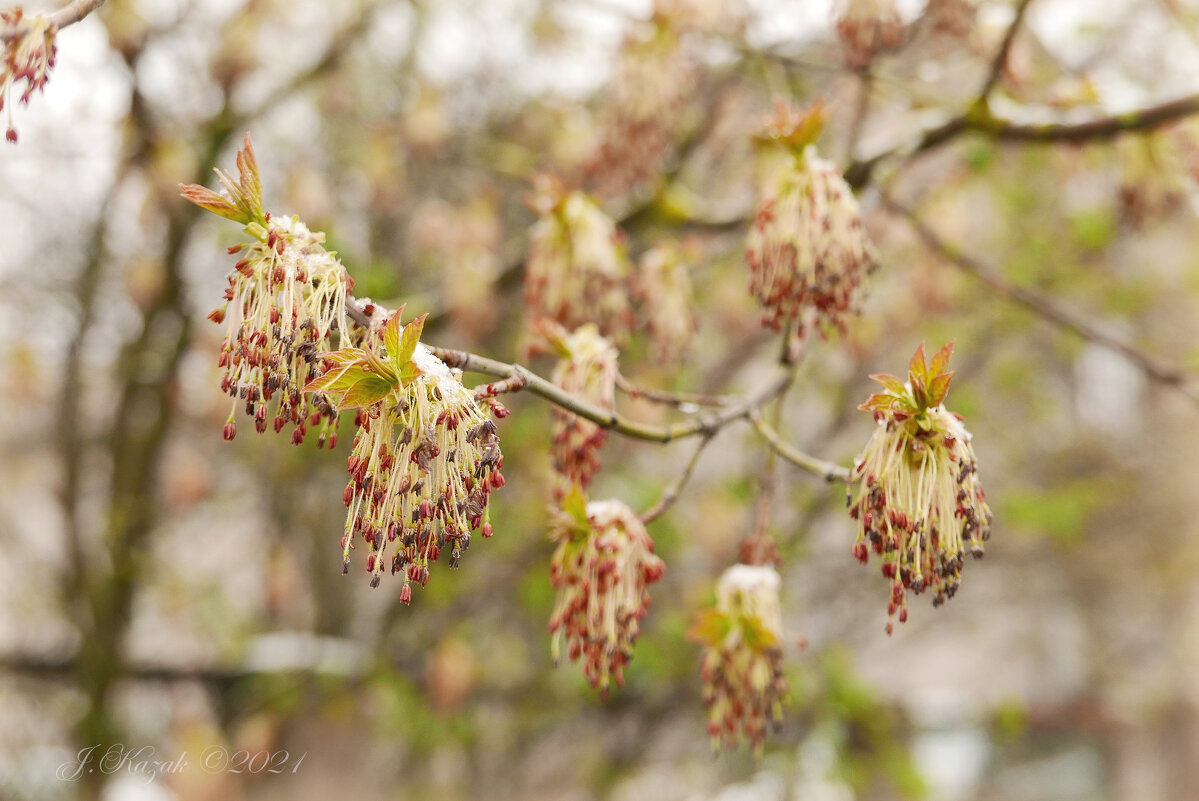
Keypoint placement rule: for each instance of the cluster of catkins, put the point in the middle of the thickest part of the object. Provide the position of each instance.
(638, 124)
(867, 28)
(919, 503)
(422, 470)
(586, 369)
(284, 306)
(426, 455)
(603, 563)
(577, 269)
(28, 57)
(807, 248)
(742, 637)
(663, 288)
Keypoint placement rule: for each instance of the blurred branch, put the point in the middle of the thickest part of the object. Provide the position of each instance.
(671, 495)
(1005, 49)
(64, 17)
(609, 419)
(1048, 308)
(980, 119)
(829, 471)
(679, 400)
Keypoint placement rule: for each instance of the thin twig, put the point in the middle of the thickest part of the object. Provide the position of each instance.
(1047, 308)
(829, 471)
(609, 419)
(64, 17)
(1005, 49)
(671, 494)
(679, 400)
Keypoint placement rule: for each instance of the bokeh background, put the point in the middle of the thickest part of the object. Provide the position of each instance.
(162, 588)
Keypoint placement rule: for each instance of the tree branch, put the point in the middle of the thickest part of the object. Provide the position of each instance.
(684, 401)
(829, 471)
(1005, 48)
(671, 495)
(1047, 308)
(64, 17)
(609, 419)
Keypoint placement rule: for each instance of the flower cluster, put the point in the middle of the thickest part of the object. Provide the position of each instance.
(648, 96)
(1154, 180)
(867, 28)
(919, 502)
(425, 460)
(577, 267)
(284, 303)
(601, 568)
(742, 671)
(586, 369)
(807, 247)
(664, 290)
(28, 56)
(949, 18)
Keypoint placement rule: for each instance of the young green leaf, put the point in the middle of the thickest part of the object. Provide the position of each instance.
(893, 384)
(940, 360)
(917, 367)
(366, 390)
(939, 388)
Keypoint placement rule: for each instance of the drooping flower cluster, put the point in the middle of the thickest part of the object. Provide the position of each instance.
(577, 267)
(664, 290)
(284, 305)
(1153, 179)
(807, 247)
(867, 28)
(425, 460)
(640, 119)
(919, 502)
(28, 57)
(601, 568)
(462, 243)
(949, 18)
(742, 671)
(586, 369)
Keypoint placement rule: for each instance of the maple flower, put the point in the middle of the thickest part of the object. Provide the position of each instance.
(284, 305)
(867, 28)
(664, 289)
(586, 369)
(807, 247)
(741, 668)
(638, 123)
(919, 503)
(577, 267)
(425, 459)
(601, 568)
(28, 56)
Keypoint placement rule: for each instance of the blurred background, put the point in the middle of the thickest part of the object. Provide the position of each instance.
(162, 588)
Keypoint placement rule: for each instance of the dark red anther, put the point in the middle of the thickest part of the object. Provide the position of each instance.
(487, 531)
(229, 431)
(406, 594)
(860, 552)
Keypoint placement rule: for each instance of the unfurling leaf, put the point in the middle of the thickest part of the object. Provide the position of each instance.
(205, 198)
(368, 389)
(938, 388)
(893, 384)
(940, 360)
(917, 368)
